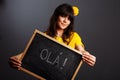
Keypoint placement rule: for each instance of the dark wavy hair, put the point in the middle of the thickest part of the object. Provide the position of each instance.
(62, 10)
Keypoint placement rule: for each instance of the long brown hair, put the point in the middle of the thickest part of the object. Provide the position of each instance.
(61, 10)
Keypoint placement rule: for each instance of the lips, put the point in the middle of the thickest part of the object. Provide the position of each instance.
(63, 24)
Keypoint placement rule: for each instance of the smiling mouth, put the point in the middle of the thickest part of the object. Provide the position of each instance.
(64, 24)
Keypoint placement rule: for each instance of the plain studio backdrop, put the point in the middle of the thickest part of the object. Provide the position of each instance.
(98, 24)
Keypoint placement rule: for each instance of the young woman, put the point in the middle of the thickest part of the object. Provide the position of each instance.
(61, 28)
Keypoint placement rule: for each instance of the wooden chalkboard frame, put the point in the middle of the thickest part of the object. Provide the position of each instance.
(48, 37)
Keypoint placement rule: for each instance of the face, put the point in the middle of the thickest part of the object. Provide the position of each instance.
(63, 22)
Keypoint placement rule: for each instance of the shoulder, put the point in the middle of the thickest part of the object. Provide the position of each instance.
(75, 34)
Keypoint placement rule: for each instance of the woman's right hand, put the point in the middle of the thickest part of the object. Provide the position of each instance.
(14, 62)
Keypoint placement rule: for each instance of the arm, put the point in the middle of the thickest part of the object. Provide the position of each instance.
(87, 57)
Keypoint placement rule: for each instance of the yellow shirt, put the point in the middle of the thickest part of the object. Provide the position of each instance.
(74, 40)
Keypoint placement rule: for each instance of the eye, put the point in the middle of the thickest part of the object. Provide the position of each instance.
(63, 16)
(69, 18)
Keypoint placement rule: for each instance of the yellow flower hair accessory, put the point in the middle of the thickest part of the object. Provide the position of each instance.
(75, 10)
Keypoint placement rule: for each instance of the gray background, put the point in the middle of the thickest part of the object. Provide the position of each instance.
(98, 24)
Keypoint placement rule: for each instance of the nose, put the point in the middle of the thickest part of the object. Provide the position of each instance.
(65, 19)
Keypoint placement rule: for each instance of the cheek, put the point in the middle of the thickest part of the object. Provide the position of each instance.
(61, 20)
(69, 22)
(58, 22)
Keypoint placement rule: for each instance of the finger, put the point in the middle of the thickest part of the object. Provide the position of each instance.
(16, 67)
(89, 57)
(86, 54)
(14, 59)
(88, 62)
(15, 63)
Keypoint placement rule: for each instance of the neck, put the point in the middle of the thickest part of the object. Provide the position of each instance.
(60, 33)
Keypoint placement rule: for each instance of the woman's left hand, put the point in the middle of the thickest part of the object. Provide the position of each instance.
(88, 58)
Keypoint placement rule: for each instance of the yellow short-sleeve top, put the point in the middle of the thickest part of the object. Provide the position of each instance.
(74, 40)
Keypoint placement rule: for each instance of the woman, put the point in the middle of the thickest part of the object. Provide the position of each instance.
(61, 28)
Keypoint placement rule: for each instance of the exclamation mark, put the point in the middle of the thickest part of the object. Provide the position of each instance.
(64, 63)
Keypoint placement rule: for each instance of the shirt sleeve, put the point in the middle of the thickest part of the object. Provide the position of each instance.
(78, 40)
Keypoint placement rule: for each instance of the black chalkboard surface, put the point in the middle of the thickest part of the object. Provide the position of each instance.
(45, 58)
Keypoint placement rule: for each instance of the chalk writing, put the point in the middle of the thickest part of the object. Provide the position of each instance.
(45, 55)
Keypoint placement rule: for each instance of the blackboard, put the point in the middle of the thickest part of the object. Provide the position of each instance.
(46, 58)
